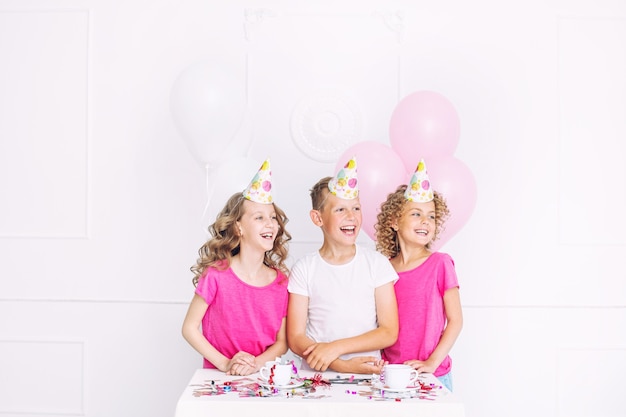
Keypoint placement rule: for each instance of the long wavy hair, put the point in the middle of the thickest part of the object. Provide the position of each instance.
(391, 210)
(225, 242)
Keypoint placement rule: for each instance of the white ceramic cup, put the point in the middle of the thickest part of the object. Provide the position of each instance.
(399, 376)
(280, 374)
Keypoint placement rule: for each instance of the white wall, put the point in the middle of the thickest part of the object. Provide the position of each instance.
(102, 205)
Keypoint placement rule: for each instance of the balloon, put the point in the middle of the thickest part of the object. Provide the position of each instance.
(423, 122)
(208, 103)
(231, 176)
(379, 171)
(453, 179)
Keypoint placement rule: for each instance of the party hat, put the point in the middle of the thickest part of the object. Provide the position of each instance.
(345, 184)
(260, 188)
(419, 188)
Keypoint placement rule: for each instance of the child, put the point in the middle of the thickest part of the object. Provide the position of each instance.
(342, 306)
(240, 301)
(427, 290)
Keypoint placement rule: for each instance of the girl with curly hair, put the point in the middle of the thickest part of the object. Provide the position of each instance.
(237, 317)
(427, 291)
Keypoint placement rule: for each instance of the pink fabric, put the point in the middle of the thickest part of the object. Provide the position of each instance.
(421, 311)
(241, 317)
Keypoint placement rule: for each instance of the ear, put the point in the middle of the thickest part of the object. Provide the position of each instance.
(239, 231)
(316, 217)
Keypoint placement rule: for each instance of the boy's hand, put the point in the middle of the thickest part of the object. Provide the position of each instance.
(319, 356)
(359, 365)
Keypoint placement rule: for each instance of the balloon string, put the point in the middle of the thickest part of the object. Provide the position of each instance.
(210, 188)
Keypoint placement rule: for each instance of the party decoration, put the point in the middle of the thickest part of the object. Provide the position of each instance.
(260, 188)
(208, 105)
(454, 180)
(380, 171)
(345, 184)
(424, 123)
(228, 178)
(324, 123)
(419, 188)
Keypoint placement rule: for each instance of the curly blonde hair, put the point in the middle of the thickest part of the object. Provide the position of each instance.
(224, 243)
(390, 210)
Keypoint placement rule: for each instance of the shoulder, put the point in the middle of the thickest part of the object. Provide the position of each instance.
(446, 270)
(281, 278)
(305, 261)
(368, 252)
(216, 268)
(215, 273)
(303, 266)
(442, 257)
(377, 264)
(372, 256)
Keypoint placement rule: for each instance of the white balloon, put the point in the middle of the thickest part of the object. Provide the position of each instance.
(231, 176)
(208, 104)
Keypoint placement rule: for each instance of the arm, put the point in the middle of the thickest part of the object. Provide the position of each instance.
(324, 355)
(297, 315)
(454, 318)
(358, 365)
(193, 334)
(243, 363)
(279, 348)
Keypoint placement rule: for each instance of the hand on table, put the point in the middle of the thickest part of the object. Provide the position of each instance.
(319, 356)
(421, 366)
(359, 365)
(242, 363)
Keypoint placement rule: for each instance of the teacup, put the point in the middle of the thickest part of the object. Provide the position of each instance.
(399, 376)
(276, 374)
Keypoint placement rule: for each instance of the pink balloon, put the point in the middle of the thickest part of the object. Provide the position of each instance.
(424, 123)
(379, 170)
(452, 178)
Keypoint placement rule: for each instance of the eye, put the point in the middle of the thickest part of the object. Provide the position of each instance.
(432, 217)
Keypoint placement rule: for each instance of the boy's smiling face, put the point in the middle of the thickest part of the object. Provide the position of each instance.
(340, 219)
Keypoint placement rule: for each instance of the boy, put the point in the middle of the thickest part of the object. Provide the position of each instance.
(342, 305)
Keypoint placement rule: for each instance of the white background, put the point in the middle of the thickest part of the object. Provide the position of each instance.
(103, 206)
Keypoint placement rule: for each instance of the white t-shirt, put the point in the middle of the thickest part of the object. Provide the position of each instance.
(342, 302)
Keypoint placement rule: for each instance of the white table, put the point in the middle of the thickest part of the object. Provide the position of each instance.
(342, 400)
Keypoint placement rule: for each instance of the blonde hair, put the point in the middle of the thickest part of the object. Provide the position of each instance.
(224, 243)
(319, 193)
(391, 210)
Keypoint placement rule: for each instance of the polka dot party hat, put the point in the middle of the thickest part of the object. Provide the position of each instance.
(419, 188)
(345, 184)
(260, 188)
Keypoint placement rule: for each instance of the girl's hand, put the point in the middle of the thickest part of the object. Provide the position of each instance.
(242, 363)
(422, 366)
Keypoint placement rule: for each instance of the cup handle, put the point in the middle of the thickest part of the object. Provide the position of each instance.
(265, 372)
(377, 379)
(414, 376)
